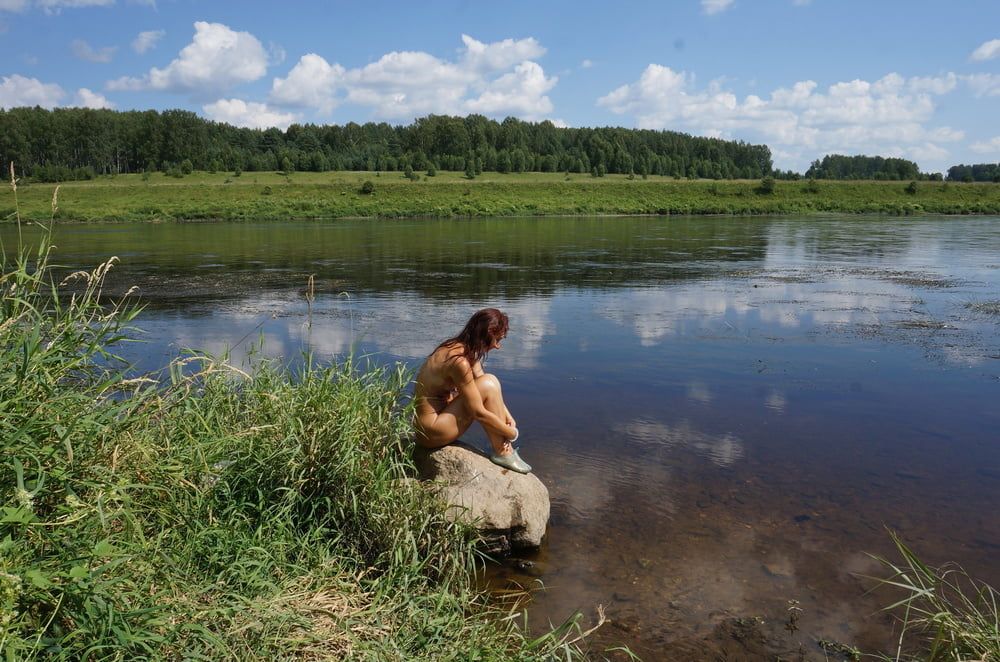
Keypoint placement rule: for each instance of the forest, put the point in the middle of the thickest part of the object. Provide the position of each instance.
(838, 166)
(79, 143)
(979, 172)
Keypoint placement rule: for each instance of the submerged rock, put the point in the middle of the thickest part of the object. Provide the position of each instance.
(509, 509)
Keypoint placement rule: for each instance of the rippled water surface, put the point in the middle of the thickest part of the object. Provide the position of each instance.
(728, 413)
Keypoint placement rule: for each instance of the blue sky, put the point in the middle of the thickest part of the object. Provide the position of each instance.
(912, 78)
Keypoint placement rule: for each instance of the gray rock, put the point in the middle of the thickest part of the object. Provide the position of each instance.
(509, 509)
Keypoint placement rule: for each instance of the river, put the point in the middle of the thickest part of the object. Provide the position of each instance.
(730, 413)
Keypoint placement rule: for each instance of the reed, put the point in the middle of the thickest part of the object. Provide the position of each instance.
(952, 617)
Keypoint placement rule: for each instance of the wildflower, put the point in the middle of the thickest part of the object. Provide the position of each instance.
(24, 498)
(10, 592)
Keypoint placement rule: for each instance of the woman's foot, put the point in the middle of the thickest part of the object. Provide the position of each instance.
(511, 461)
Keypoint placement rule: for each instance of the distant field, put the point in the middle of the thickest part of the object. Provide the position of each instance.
(272, 196)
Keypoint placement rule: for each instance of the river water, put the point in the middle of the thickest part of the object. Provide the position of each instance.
(729, 414)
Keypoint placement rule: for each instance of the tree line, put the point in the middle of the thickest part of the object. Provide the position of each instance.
(979, 172)
(74, 143)
(79, 143)
(838, 166)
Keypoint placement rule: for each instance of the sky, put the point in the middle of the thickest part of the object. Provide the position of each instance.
(914, 78)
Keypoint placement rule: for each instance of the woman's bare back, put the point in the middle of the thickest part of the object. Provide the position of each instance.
(434, 381)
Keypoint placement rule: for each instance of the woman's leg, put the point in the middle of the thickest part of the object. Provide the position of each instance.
(440, 428)
(489, 389)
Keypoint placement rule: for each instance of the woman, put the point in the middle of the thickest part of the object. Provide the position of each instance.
(453, 391)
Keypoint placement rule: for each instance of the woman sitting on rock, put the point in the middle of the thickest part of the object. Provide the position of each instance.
(453, 391)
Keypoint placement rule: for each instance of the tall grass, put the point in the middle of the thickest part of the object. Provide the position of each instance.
(221, 515)
(953, 617)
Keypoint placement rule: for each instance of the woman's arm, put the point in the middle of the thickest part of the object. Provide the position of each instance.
(464, 376)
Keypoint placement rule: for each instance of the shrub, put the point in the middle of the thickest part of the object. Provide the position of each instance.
(266, 191)
(911, 188)
(367, 188)
(187, 167)
(767, 186)
(432, 171)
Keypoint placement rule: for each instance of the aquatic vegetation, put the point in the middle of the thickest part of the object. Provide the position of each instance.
(984, 307)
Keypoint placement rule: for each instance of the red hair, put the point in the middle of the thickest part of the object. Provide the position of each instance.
(480, 332)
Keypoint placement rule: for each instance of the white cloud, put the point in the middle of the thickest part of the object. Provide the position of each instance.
(983, 85)
(887, 116)
(493, 78)
(521, 93)
(276, 54)
(248, 114)
(54, 6)
(586, 64)
(499, 55)
(84, 51)
(986, 51)
(407, 84)
(715, 6)
(16, 90)
(218, 58)
(991, 146)
(312, 83)
(147, 40)
(934, 84)
(88, 99)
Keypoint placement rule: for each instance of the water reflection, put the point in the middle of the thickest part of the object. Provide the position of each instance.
(722, 450)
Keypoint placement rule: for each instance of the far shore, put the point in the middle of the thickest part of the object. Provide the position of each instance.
(340, 195)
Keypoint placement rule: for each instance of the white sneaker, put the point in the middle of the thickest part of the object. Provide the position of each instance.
(511, 461)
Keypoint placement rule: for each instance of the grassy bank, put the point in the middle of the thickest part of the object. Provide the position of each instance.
(262, 196)
(224, 515)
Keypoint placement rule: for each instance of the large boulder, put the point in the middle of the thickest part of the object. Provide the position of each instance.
(509, 509)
